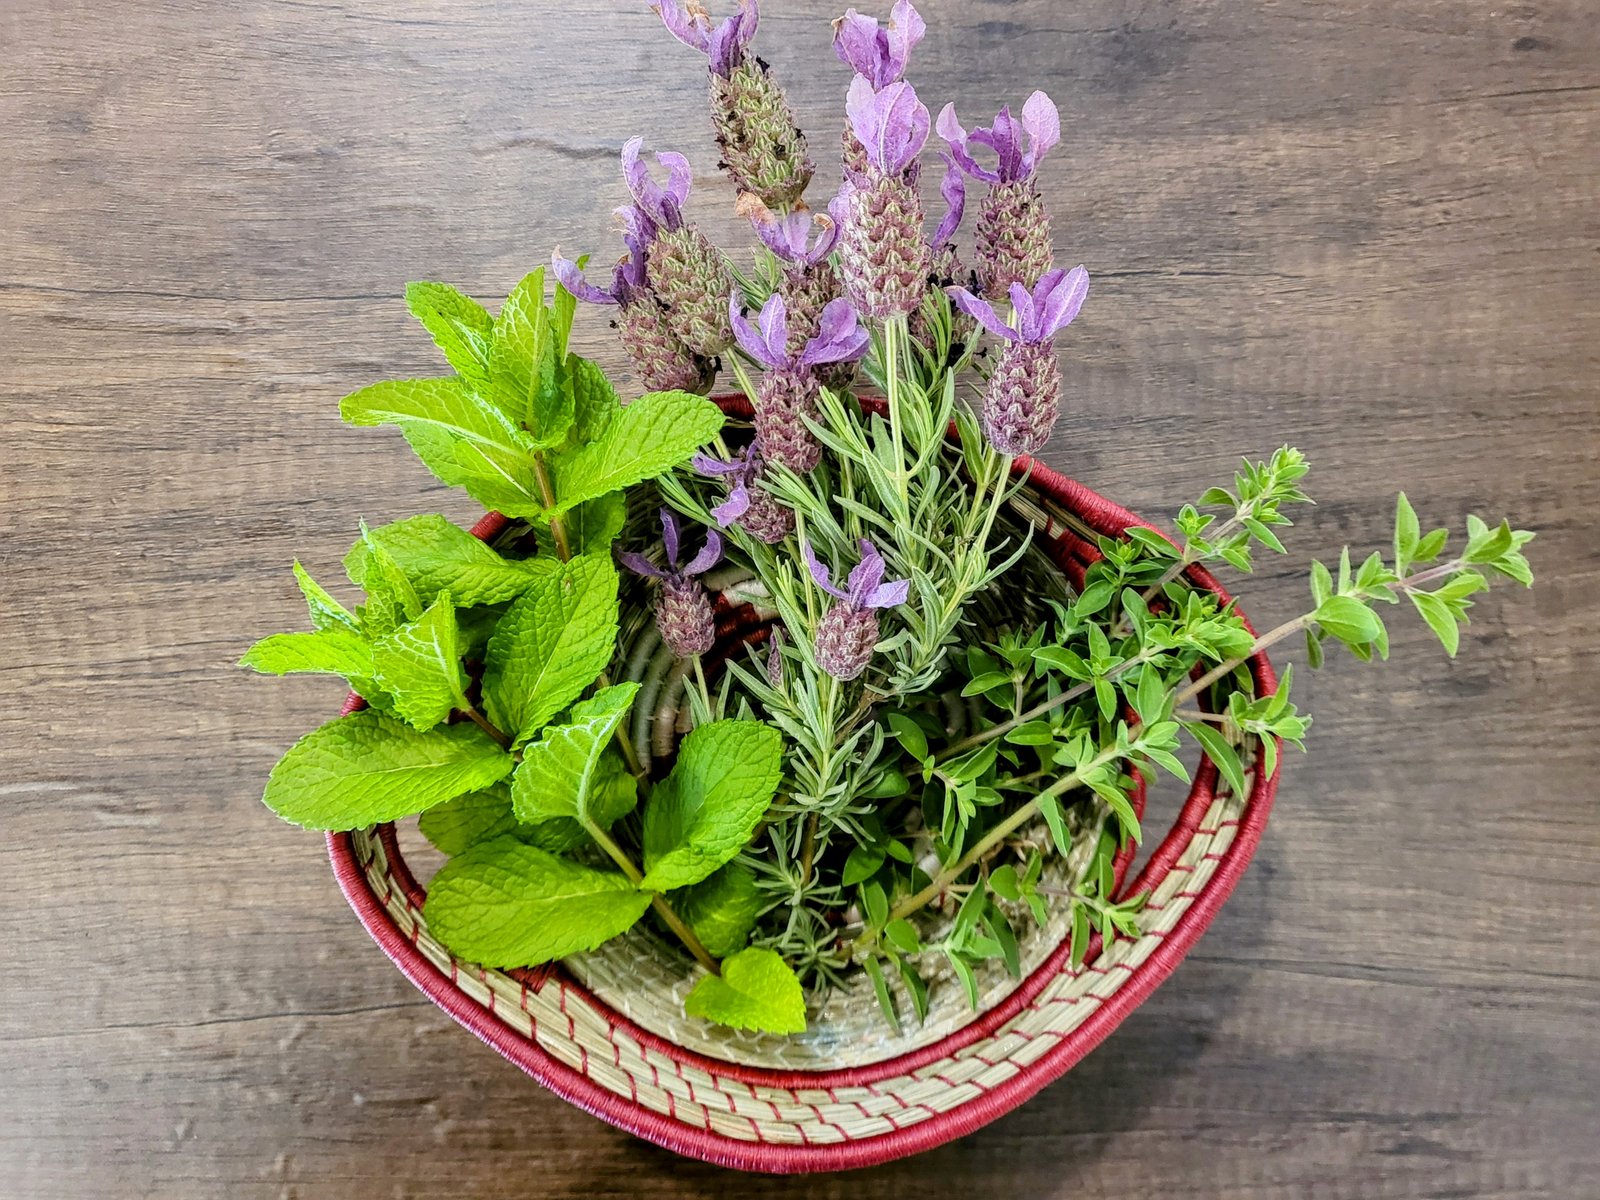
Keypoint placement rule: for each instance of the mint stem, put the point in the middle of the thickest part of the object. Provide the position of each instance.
(657, 901)
(489, 727)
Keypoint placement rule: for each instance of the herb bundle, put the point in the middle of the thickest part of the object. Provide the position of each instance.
(799, 690)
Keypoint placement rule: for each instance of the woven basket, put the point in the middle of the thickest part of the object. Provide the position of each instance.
(847, 1098)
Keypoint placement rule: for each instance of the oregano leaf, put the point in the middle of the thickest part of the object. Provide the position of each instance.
(1220, 751)
(504, 903)
(368, 768)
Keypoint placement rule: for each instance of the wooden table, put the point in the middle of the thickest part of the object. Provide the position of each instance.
(1364, 227)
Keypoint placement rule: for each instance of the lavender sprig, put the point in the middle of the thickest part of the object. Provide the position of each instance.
(683, 611)
(848, 631)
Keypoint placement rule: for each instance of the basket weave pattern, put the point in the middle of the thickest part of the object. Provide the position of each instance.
(766, 1119)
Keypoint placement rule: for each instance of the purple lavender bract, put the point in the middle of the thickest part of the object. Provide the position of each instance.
(879, 55)
(1023, 397)
(751, 507)
(683, 611)
(1013, 237)
(848, 631)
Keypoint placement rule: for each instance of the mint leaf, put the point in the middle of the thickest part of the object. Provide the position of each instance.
(437, 555)
(391, 600)
(459, 326)
(591, 527)
(368, 768)
(464, 440)
(458, 824)
(756, 990)
(560, 773)
(506, 904)
(527, 375)
(420, 666)
(722, 909)
(326, 612)
(550, 645)
(704, 812)
(655, 433)
(327, 652)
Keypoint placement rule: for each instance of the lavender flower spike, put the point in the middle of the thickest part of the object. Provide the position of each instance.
(878, 53)
(848, 631)
(1023, 396)
(788, 391)
(724, 43)
(683, 613)
(748, 505)
(1013, 237)
(891, 123)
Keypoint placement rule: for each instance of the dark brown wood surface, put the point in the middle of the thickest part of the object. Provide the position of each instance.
(1366, 227)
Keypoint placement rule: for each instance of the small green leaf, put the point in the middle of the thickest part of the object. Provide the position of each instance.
(459, 326)
(1050, 807)
(862, 864)
(986, 682)
(419, 665)
(551, 644)
(657, 432)
(506, 904)
(561, 773)
(1220, 751)
(1407, 532)
(1313, 649)
(1031, 733)
(391, 600)
(881, 987)
(1321, 583)
(439, 556)
(1440, 619)
(327, 614)
(1080, 934)
(756, 990)
(722, 909)
(326, 652)
(902, 935)
(479, 816)
(527, 366)
(1061, 659)
(1347, 619)
(1004, 883)
(368, 768)
(704, 812)
(910, 735)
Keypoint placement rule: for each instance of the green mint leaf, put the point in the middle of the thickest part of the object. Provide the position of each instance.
(704, 812)
(503, 903)
(459, 326)
(437, 555)
(560, 772)
(326, 652)
(326, 612)
(1440, 619)
(592, 526)
(1347, 619)
(458, 824)
(756, 990)
(527, 374)
(649, 437)
(722, 909)
(464, 440)
(419, 664)
(368, 768)
(1220, 751)
(551, 644)
(391, 600)
(1407, 532)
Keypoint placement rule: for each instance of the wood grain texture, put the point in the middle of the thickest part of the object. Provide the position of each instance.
(1362, 226)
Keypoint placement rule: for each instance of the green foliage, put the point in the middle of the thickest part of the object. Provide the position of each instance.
(551, 644)
(436, 555)
(479, 816)
(756, 990)
(419, 665)
(368, 768)
(704, 812)
(722, 909)
(567, 772)
(504, 903)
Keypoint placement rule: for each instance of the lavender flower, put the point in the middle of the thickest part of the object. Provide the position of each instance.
(848, 631)
(788, 391)
(883, 258)
(683, 613)
(724, 43)
(879, 53)
(802, 241)
(762, 148)
(1023, 397)
(1013, 228)
(687, 274)
(752, 507)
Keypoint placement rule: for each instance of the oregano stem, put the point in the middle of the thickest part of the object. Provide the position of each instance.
(657, 901)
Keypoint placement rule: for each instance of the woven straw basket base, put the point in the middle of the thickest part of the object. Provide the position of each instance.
(606, 1032)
